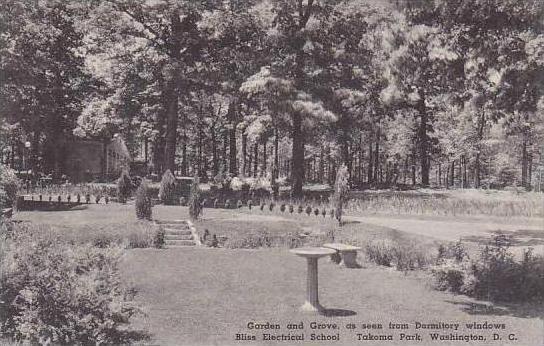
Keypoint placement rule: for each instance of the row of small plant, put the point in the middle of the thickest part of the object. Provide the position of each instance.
(54, 291)
(269, 205)
(74, 190)
(78, 198)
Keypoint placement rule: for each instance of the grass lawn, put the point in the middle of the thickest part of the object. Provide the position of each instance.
(207, 296)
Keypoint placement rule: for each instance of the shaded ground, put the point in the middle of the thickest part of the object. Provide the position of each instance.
(207, 296)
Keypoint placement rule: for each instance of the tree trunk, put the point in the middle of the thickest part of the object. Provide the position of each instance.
(214, 150)
(439, 175)
(524, 164)
(255, 159)
(452, 183)
(225, 150)
(265, 156)
(244, 154)
(423, 141)
(232, 117)
(370, 176)
(377, 158)
(276, 169)
(477, 182)
(465, 181)
(297, 163)
(414, 170)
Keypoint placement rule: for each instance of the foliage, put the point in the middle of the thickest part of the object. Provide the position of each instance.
(195, 208)
(167, 191)
(124, 187)
(403, 257)
(143, 202)
(389, 87)
(9, 184)
(495, 275)
(55, 292)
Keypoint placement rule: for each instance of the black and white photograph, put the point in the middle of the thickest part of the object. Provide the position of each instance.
(272, 172)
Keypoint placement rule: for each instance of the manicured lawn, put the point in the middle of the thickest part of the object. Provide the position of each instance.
(205, 296)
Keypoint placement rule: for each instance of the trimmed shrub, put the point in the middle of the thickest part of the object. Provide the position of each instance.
(227, 204)
(282, 207)
(341, 190)
(158, 239)
(167, 190)
(143, 201)
(195, 208)
(124, 188)
(249, 204)
(9, 184)
(240, 204)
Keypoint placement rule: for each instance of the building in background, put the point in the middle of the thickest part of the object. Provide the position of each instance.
(88, 160)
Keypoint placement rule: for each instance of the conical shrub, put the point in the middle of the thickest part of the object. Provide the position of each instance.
(124, 188)
(143, 201)
(167, 190)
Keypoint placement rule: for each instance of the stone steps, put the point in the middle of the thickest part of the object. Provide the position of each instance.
(178, 234)
(179, 243)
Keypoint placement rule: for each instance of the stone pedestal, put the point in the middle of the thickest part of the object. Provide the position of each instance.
(312, 255)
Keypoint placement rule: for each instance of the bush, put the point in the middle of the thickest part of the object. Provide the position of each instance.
(60, 293)
(143, 201)
(158, 239)
(262, 240)
(495, 275)
(9, 184)
(124, 188)
(195, 208)
(167, 191)
(403, 257)
(380, 252)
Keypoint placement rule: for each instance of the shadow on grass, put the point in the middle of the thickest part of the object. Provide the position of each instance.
(522, 310)
(338, 313)
(58, 207)
(520, 237)
(129, 337)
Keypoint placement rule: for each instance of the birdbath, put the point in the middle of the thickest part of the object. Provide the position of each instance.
(312, 254)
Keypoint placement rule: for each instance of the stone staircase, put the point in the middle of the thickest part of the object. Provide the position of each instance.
(178, 234)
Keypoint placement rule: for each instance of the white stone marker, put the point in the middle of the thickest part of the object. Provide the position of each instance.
(312, 254)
